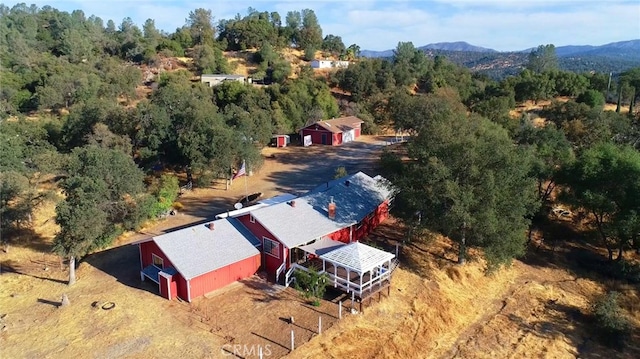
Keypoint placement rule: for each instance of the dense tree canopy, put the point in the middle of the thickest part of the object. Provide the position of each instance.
(104, 195)
(605, 181)
(104, 97)
(467, 181)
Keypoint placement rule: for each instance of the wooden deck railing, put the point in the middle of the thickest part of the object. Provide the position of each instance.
(344, 283)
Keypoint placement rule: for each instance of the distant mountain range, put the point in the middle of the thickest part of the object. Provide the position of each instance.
(613, 57)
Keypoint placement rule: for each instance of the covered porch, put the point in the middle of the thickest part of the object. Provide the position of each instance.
(356, 268)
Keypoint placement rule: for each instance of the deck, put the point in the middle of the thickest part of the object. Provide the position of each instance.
(361, 287)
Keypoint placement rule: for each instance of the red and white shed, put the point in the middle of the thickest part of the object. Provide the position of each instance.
(196, 260)
(280, 140)
(333, 132)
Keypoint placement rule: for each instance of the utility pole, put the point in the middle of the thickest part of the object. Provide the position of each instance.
(608, 86)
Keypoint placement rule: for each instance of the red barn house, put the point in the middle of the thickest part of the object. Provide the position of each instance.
(333, 132)
(193, 261)
(340, 211)
(273, 235)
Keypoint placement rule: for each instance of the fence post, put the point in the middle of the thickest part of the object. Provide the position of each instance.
(292, 341)
(319, 325)
(340, 310)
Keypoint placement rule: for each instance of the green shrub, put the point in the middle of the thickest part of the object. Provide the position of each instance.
(312, 284)
(613, 328)
(165, 194)
(592, 98)
(625, 270)
(340, 172)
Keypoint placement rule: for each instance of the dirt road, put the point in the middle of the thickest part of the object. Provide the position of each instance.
(285, 170)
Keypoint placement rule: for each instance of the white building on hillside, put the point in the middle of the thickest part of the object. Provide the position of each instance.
(216, 79)
(328, 64)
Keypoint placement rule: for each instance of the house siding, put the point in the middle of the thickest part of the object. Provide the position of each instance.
(362, 229)
(148, 249)
(333, 139)
(202, 284)
(316, 134)
(270, 263)
(226, 275)
(344, 235)
(337, 139)
(179, 284)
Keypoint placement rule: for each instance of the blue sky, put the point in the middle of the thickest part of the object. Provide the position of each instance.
(378, 25)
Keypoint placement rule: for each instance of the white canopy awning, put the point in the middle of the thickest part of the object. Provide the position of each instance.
(322, 246)
(358, 257)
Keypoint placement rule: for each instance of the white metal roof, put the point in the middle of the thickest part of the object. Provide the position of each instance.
(217, 76)
(198, 250)
(261, 204)
(358, 257)
(355, 196)
(277, 199)
(322, 246)
(309, 220)
(298, 224)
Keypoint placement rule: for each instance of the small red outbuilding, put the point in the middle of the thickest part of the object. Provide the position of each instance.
(280, 140)
(193, 261)
(333, 132)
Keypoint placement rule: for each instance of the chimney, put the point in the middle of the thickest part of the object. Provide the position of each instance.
(292, 203)
(332, 209)
(210, 225)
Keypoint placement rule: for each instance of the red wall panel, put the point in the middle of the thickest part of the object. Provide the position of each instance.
(149, 248)
(221, 277)
(337, 139)
(164, 287)
(316, 135)
(344, 235)
(270, 262)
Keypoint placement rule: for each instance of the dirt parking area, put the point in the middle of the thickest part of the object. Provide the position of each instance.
(113, 314)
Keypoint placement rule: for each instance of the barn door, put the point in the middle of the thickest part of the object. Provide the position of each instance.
(324, 139)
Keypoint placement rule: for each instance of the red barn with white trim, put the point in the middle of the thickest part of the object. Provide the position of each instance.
(196, 260)
(334, 132)
(343, 210)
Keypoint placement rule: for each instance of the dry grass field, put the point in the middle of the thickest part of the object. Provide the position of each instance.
(537, 308)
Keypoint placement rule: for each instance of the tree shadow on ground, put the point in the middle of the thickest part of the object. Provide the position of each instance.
(32, 269)
(318, 164)
(205, 208)
(576, 327)
(122, 263)
(565, 248)
(27, 238)
(50, 302)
